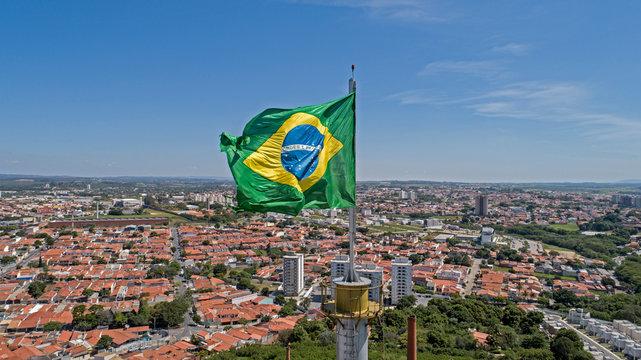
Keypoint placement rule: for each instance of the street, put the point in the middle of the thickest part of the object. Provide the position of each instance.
(471, 276)
(607, 354)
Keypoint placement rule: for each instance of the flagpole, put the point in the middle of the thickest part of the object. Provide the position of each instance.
(352, 275)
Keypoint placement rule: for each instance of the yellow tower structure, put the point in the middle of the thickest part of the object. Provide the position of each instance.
(352, 311)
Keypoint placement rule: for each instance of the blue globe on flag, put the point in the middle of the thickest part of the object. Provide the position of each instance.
(299, 153)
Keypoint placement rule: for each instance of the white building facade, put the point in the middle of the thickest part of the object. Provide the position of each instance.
(401, 278)
(340, 267)
(293, 274)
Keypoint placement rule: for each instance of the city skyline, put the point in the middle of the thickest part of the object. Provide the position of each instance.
(447, 92)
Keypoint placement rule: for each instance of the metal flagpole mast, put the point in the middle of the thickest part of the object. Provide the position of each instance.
(352, 276)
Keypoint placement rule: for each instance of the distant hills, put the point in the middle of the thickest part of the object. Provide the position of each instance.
(631, 182)
(143, 178)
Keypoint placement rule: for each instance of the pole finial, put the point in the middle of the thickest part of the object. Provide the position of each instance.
(352, 70)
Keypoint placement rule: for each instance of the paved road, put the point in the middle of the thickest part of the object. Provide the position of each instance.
(188, 326)
(175, 242)
(607, 354)
(25, 261)
(471, 276)
(185, 331)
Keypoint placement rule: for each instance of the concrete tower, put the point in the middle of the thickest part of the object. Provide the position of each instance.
(351, 310)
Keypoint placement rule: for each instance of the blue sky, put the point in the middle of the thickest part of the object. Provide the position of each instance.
(451, 91)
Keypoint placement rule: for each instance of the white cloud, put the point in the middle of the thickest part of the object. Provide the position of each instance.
(485, 69)
(413, 97)
(402, 10)
(512, 49)
(565, 102)
(531, 99)
(555, 101)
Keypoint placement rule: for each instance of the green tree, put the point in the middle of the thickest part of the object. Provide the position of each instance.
(105, 293)
(607, 281)
(535, 354)
(563, 348)
(530, 323)
(120, 320)
(7, 259)
(298, 335)
(437, 339)
(36, 289)
(220, 269)
(52, 326)
(567, 345)
(104, 342)
(416, 259)
(280, 299)
(286, 311)
(405, 302)
(306, 302)
(170, 314)
(538, 340)
(565, 297)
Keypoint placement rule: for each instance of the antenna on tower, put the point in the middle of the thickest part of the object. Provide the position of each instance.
(352, 82)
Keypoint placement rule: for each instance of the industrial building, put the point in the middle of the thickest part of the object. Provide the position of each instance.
(487, 236)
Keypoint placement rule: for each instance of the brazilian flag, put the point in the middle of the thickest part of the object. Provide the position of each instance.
(287, 160)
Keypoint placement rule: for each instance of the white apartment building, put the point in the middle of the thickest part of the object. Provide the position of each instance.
(375, 275)
(340, 267)
(401, 278)
(293, 274)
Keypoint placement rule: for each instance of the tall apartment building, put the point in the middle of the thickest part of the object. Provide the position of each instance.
(481, 206)
(627, 200)
(293, 274)
(375, 274)
(401, 278)
(340, 267)
(411, 195)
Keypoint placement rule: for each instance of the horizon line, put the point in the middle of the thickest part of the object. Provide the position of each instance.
(228, 178)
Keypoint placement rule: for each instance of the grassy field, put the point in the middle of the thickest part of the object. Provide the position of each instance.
(567, 227)
(563, 251)
(395, 228)
(147, 213)
(550, 276)
(500, 268)
(554, 247)
(272, 287)
(123, 216)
